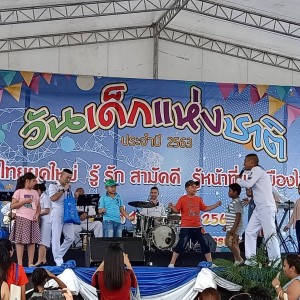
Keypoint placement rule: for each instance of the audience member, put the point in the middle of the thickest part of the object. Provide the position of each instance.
(11, 275)
(291, 269)
(241, 296)
(112, 278)
(260, 293)
(4, 264)
(39, 278)
(210, 294)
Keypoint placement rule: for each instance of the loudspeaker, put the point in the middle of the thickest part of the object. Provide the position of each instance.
(133, 246)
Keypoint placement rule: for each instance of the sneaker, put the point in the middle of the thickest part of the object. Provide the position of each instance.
(275, 264)
(250, 263)
(171, 266)
(239, 263)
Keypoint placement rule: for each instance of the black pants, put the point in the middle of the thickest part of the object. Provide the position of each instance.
(195, 235)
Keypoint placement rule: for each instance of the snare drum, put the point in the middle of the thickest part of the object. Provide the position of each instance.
(144, 224)
(174, 219)
(163, 237)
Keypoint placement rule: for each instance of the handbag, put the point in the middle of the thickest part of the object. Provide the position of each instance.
(135, 295)
(15, 290)
(70, 210)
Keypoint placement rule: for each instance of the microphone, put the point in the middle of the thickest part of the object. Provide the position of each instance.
(242, 172)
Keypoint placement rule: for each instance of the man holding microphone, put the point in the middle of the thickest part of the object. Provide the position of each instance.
(263, 216)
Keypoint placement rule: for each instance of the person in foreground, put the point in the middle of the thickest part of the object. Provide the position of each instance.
(4, 262)
(15, 273)
(115, 276)
(190, 207)
(263, 216)
(291, 269)
(210, 294)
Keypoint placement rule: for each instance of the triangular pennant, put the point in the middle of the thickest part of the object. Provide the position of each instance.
(274, 105)
(293, 113)
(8, 76)
(225, 89)
(35, 84)
(1, 93)
(15, 90)
(297, 89)
(241, 87)
(254, 96)
(262, 90)
(282, 91)
(47, 77)
(27, 76)
(248, 146)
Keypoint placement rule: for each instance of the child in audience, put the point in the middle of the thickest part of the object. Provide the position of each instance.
(234, 223)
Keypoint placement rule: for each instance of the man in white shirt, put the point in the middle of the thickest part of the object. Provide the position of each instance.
(158, 210)
(57, 193)
(263, 216)
(85, 212)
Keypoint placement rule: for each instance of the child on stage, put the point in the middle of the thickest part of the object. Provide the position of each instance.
(190, 207)
(26, 230)
(234, 223)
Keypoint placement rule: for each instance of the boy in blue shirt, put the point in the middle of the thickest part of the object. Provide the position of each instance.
(111, 206)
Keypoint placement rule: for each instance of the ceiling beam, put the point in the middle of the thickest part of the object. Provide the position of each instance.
(79, 10)
(244, 17)
(235, 50)
(75, 38)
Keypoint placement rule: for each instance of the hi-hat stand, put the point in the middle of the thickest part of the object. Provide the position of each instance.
(284, 241)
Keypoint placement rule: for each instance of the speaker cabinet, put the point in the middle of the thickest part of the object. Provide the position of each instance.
(133, 246)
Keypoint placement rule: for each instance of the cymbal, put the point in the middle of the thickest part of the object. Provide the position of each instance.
(141, 204)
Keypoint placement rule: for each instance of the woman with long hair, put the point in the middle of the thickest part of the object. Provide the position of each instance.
(4, 265)
(13, 274)
(115, 276)
(291, 269)
(210, 294)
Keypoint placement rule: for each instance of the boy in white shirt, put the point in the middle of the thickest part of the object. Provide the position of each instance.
(234, 223)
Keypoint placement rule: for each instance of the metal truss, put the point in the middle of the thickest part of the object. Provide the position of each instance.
(160, 24)
(80, 10)
(252, 54)
(169, 15)
(245, 17)
(75, 38)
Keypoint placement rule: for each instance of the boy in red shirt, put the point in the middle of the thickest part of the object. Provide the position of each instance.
(190, 206)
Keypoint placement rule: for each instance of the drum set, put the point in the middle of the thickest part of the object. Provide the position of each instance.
(158, 233)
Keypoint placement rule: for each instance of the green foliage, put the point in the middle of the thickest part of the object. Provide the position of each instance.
(261, 274)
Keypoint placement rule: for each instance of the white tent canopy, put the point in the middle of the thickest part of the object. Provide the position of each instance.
(211, 40)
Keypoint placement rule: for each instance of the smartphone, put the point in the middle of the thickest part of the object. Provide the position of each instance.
(53, 294)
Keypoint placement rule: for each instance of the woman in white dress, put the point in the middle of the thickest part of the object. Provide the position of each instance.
(44, 223)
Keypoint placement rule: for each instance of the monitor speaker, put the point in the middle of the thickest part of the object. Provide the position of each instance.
(133, 246)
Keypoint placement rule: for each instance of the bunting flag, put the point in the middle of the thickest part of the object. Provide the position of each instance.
(282, 91)
(35, 84)
(262, 89)
(27, 76)
(226, 89)
(8, 76)
(1, 93)
(15, 90)
(254, 96)
(248, 146)
(241, 87)
(47, 77)
(274, 105)
(297, 89)
(293, 113)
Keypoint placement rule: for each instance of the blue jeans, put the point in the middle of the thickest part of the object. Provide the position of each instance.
(112, 229)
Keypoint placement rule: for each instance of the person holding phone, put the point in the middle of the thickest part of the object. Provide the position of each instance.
(115, 276)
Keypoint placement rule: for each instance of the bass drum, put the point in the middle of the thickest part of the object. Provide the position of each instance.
(163, 237)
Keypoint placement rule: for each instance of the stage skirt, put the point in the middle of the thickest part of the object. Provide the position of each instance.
(25, 232)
